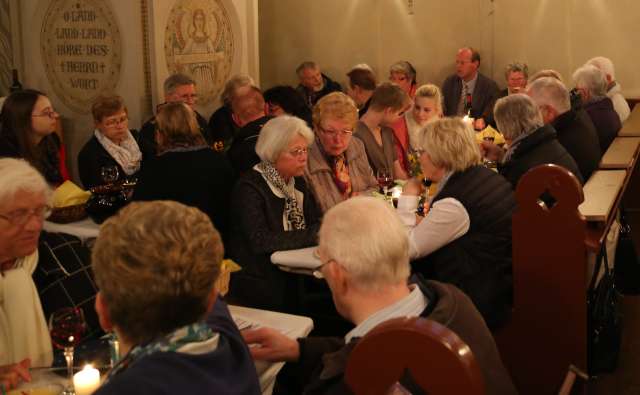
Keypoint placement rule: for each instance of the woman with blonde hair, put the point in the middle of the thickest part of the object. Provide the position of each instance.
(186, 169)
(427, 106)
(465, 237)
(337, 166)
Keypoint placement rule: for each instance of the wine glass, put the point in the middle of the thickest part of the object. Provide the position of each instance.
(109, 174)
(66, 326)
(384, 179)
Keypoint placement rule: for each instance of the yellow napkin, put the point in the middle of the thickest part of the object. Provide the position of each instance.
(490, 133)
(69, 194)
(226, 268)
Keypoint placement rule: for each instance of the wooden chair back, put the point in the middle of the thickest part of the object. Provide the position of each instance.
(548, 328)
(438, 360)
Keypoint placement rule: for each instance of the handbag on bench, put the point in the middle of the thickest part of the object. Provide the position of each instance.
(604, 323)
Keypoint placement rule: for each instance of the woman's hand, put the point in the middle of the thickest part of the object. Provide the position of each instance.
(413, 187)
(12, 375)
(270, 345)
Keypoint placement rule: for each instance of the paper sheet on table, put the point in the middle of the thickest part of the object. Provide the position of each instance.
(303, 258)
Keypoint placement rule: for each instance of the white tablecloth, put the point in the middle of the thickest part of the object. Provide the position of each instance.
(293, 326)
(84, 230)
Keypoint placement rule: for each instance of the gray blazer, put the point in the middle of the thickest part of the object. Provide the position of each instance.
(484, 96)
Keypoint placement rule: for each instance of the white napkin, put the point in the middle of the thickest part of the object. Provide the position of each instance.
(303, 258)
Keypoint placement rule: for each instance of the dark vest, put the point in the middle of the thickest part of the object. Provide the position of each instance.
(479, 262)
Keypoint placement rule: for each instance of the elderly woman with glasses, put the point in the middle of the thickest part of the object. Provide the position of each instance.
(24, 204)
(465, 237)
(111, 145)
(27, 126)
(272, 210)
(338, 167)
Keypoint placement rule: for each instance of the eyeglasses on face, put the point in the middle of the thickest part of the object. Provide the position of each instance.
(21, 217)
(47, 113)
(298, 152)
(116, 121)
(333, 133)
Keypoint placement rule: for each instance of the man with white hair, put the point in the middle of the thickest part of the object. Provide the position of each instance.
(591, 84)
(364, 250)
(614, 90)
(576, 132)
(24, 204)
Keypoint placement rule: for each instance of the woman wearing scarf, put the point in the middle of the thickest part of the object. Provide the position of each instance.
(157, 265)
(272, 210)
(465, 237)
(24, 204)
(112, 144)
(338, 167)
(186, 169)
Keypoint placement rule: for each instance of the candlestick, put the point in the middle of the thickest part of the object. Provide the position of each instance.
(86, 381)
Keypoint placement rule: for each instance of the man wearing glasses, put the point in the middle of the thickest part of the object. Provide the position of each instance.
(177, 88)
(24, 204)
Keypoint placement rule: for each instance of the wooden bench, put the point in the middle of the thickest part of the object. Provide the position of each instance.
(601, 194)
(439, 361)
(621, 154)
(631, 127)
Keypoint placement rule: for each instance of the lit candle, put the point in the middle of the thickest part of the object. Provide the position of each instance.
(86, 381)
(467, 119)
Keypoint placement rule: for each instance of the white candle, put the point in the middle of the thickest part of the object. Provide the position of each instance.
(86, 381)
(467, 119)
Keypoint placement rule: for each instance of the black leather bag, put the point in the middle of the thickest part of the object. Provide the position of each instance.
(604, 319)
(627, 266)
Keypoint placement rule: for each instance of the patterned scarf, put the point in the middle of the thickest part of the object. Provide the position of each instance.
(127, 153)
(293, 212)
(189, 339)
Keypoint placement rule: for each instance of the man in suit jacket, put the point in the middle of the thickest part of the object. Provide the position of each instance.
(469, 92)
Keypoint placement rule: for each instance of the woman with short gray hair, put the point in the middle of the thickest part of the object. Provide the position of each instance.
(272, 210)
(530, 141)
(591, 84)
(465, 236)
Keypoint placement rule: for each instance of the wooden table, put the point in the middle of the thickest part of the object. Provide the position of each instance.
(294, 326)
(621, 153)
(600, 194)
(631, 127)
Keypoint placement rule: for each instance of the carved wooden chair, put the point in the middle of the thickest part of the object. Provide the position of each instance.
(438, 361)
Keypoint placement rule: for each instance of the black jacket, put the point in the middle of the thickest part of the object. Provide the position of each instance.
(323, 361)
(578, 136)
(199, 177)
(483, 98)
(311, 98)
(242, 153)
(93, 157)
(479, 262)
(256, 232)
(540, 147)
(606, 121)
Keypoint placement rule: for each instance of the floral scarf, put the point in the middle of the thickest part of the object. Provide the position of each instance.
(127, 153)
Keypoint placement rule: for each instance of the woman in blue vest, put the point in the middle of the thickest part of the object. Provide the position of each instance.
(464, 237)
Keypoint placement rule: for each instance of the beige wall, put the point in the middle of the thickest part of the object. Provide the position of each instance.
(558, 34)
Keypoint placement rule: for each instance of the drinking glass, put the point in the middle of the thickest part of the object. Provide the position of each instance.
(66, 327)
(109, 174)
(384, 179)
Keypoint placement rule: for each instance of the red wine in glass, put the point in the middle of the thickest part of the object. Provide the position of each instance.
(66, 327)
(384, 179)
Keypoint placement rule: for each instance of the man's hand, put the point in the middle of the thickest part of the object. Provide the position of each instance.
(268, 344)
(413, 187)
(12, 375)
(491, 151)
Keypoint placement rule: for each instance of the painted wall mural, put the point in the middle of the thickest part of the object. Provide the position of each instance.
(199, 42)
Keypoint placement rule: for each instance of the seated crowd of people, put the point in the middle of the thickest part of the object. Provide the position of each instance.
(281, 170)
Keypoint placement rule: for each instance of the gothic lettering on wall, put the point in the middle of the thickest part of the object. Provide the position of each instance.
(199, 42)
(81, 49)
